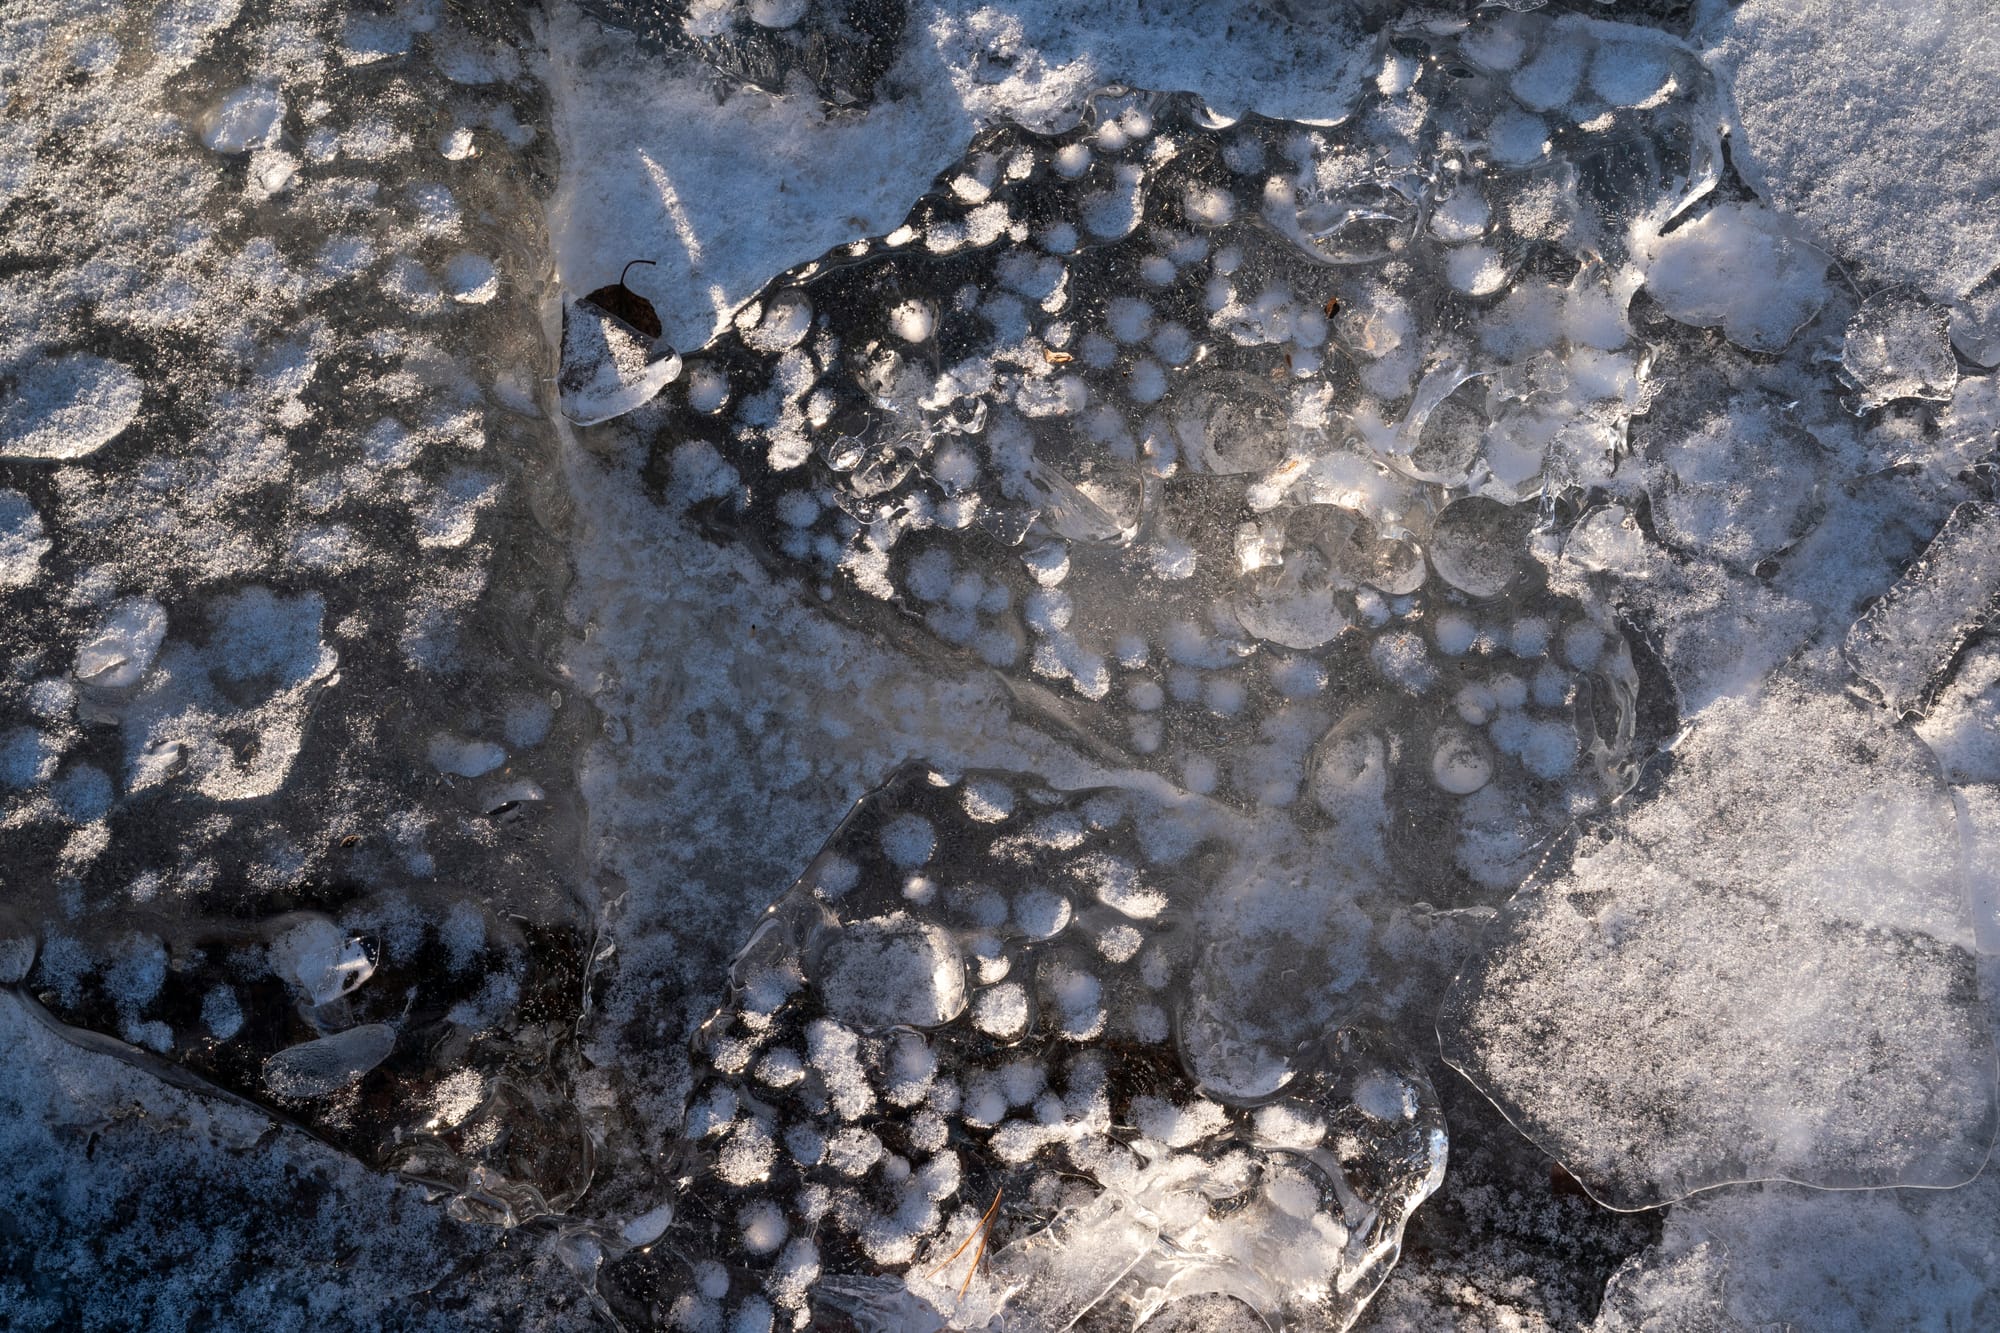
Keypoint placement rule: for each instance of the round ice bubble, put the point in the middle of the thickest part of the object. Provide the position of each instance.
(1460, 763)
(892, 970)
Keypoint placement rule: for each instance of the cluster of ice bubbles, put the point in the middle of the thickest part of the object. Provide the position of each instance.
(1239, 449)
(961, 1080)
(1213, 435)
(1228, 444)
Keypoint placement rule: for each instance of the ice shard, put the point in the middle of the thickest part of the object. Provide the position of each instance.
(1904, 645)
(951, 1087)
(1763, 970)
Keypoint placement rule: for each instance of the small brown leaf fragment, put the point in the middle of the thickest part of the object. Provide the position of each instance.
(623, 304)
(1055, 358)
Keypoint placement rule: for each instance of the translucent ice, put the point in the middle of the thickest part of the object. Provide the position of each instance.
(1740, 266)
(1764, 970)
(1781, 1257)
(1735, 479)
(267, 424)
(1899, 346)
(1962, 726)
(1975, 324)
(944, 1091)
(1165, 416)
(325, 1065)
(1905, 642)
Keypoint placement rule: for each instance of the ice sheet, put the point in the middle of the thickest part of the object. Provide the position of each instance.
(1762, 970)
(1905, 643)
(268, 336)
(975, 993)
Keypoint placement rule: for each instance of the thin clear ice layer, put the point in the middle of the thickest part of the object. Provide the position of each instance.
(951, 1087)
(1898, 346)
(1904, 645)
(841, 49)
(1762, 970)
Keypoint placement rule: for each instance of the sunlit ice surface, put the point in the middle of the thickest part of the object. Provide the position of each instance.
(872, 665)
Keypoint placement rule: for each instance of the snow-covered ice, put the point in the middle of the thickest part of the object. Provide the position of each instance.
(1195, 535)
(1765, 970)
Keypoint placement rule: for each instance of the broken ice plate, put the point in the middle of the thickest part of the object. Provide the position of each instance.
(1763, 970)
(1904, 644)
(948, 1087)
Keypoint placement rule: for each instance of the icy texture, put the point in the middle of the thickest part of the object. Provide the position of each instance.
(1857, 116)
(608, 367)
(1899, 346)
(1731, 477)
(133, 1203)
(840, 49)
(270, 463)
(1162, 415)
(67, 408)
(1763, 970)
(23, 540)
(1963, 725)
(967, 1009)
(1739, 266)
(1904, 644)
(1780, 1257)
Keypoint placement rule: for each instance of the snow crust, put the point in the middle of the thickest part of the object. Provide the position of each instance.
(1857, 117)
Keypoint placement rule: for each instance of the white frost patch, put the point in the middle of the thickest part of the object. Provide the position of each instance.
(467, 759)
(1765, 971)
(66, 408)
(23, 541)
(230, 716)
(471, 279)
(892, 970)
(1739, 266)
(247, 118)
(1872, 121)
(124, 646)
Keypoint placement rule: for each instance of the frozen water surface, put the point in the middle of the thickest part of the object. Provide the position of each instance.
(980, 989)
(1287, 520)
(270, 523)
(1765, 970)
